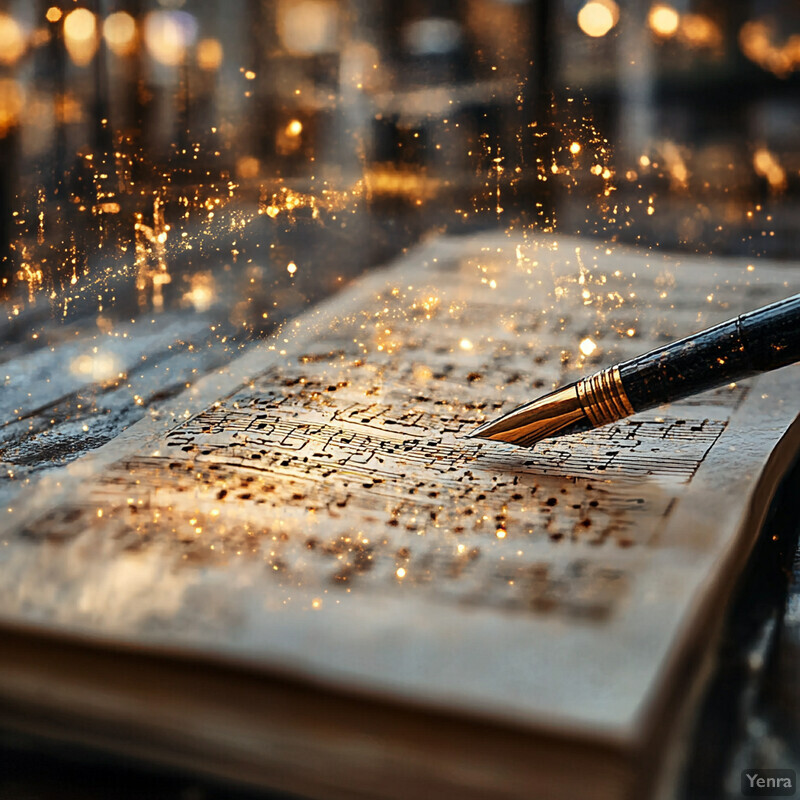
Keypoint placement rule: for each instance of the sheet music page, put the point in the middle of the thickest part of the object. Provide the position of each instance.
(315, 508)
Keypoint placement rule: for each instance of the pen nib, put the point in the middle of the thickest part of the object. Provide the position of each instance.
(555, 414)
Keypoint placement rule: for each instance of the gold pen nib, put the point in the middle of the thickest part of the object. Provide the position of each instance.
(599, 399)
(554, 414)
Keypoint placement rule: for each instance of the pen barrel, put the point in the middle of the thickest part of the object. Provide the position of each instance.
(759, 341)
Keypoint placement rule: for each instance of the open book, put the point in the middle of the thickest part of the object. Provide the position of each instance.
(300, 574)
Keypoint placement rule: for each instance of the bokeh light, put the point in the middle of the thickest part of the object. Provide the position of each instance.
(12, 40)
(209, 54)
(168, 34)
(598, 17)
(119, 30)
(80, 35)
(11, 103)
(308, 26)
(663, 20)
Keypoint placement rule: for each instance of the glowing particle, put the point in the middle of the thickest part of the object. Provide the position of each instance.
(53, 14)
(500, 533)
(250, 75)
(294, 128)
(465, 344)
(587, 346)
(291, 268)
(575, 148)
(631, 331)
(401, 573)
(316, 603)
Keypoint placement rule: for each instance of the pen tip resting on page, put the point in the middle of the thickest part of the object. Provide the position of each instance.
(555, 414)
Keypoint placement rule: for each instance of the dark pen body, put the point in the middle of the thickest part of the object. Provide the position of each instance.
(756, 342)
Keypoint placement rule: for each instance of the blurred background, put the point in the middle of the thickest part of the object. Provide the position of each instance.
(255, 154)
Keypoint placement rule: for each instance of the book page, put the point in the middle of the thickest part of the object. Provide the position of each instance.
(316, 509)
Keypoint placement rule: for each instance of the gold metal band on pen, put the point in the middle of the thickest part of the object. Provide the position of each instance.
(603, 397)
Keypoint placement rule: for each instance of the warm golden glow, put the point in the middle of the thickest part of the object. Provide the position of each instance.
(678, 171)
(167, 34)
(308, 26)
(119, 30)
(388, 179)
(587, 346)
(698, 30)
(575, 148)
(12, 40)
(152, 273)
(663, 20)
(11, 100)
(598, 17)
(80, 25)
(53, 14)
(80, 35)
(294, 128)
(209, 54)
(98, 366)
(756, 41)
(767, 166)
(201, 294)
(248, 167)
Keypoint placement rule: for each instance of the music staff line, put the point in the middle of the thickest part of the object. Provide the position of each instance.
(342, 447)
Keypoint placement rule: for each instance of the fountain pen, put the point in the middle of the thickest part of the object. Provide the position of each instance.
(759, 341)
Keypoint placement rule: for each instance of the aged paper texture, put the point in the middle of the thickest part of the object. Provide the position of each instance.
(315, 507)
